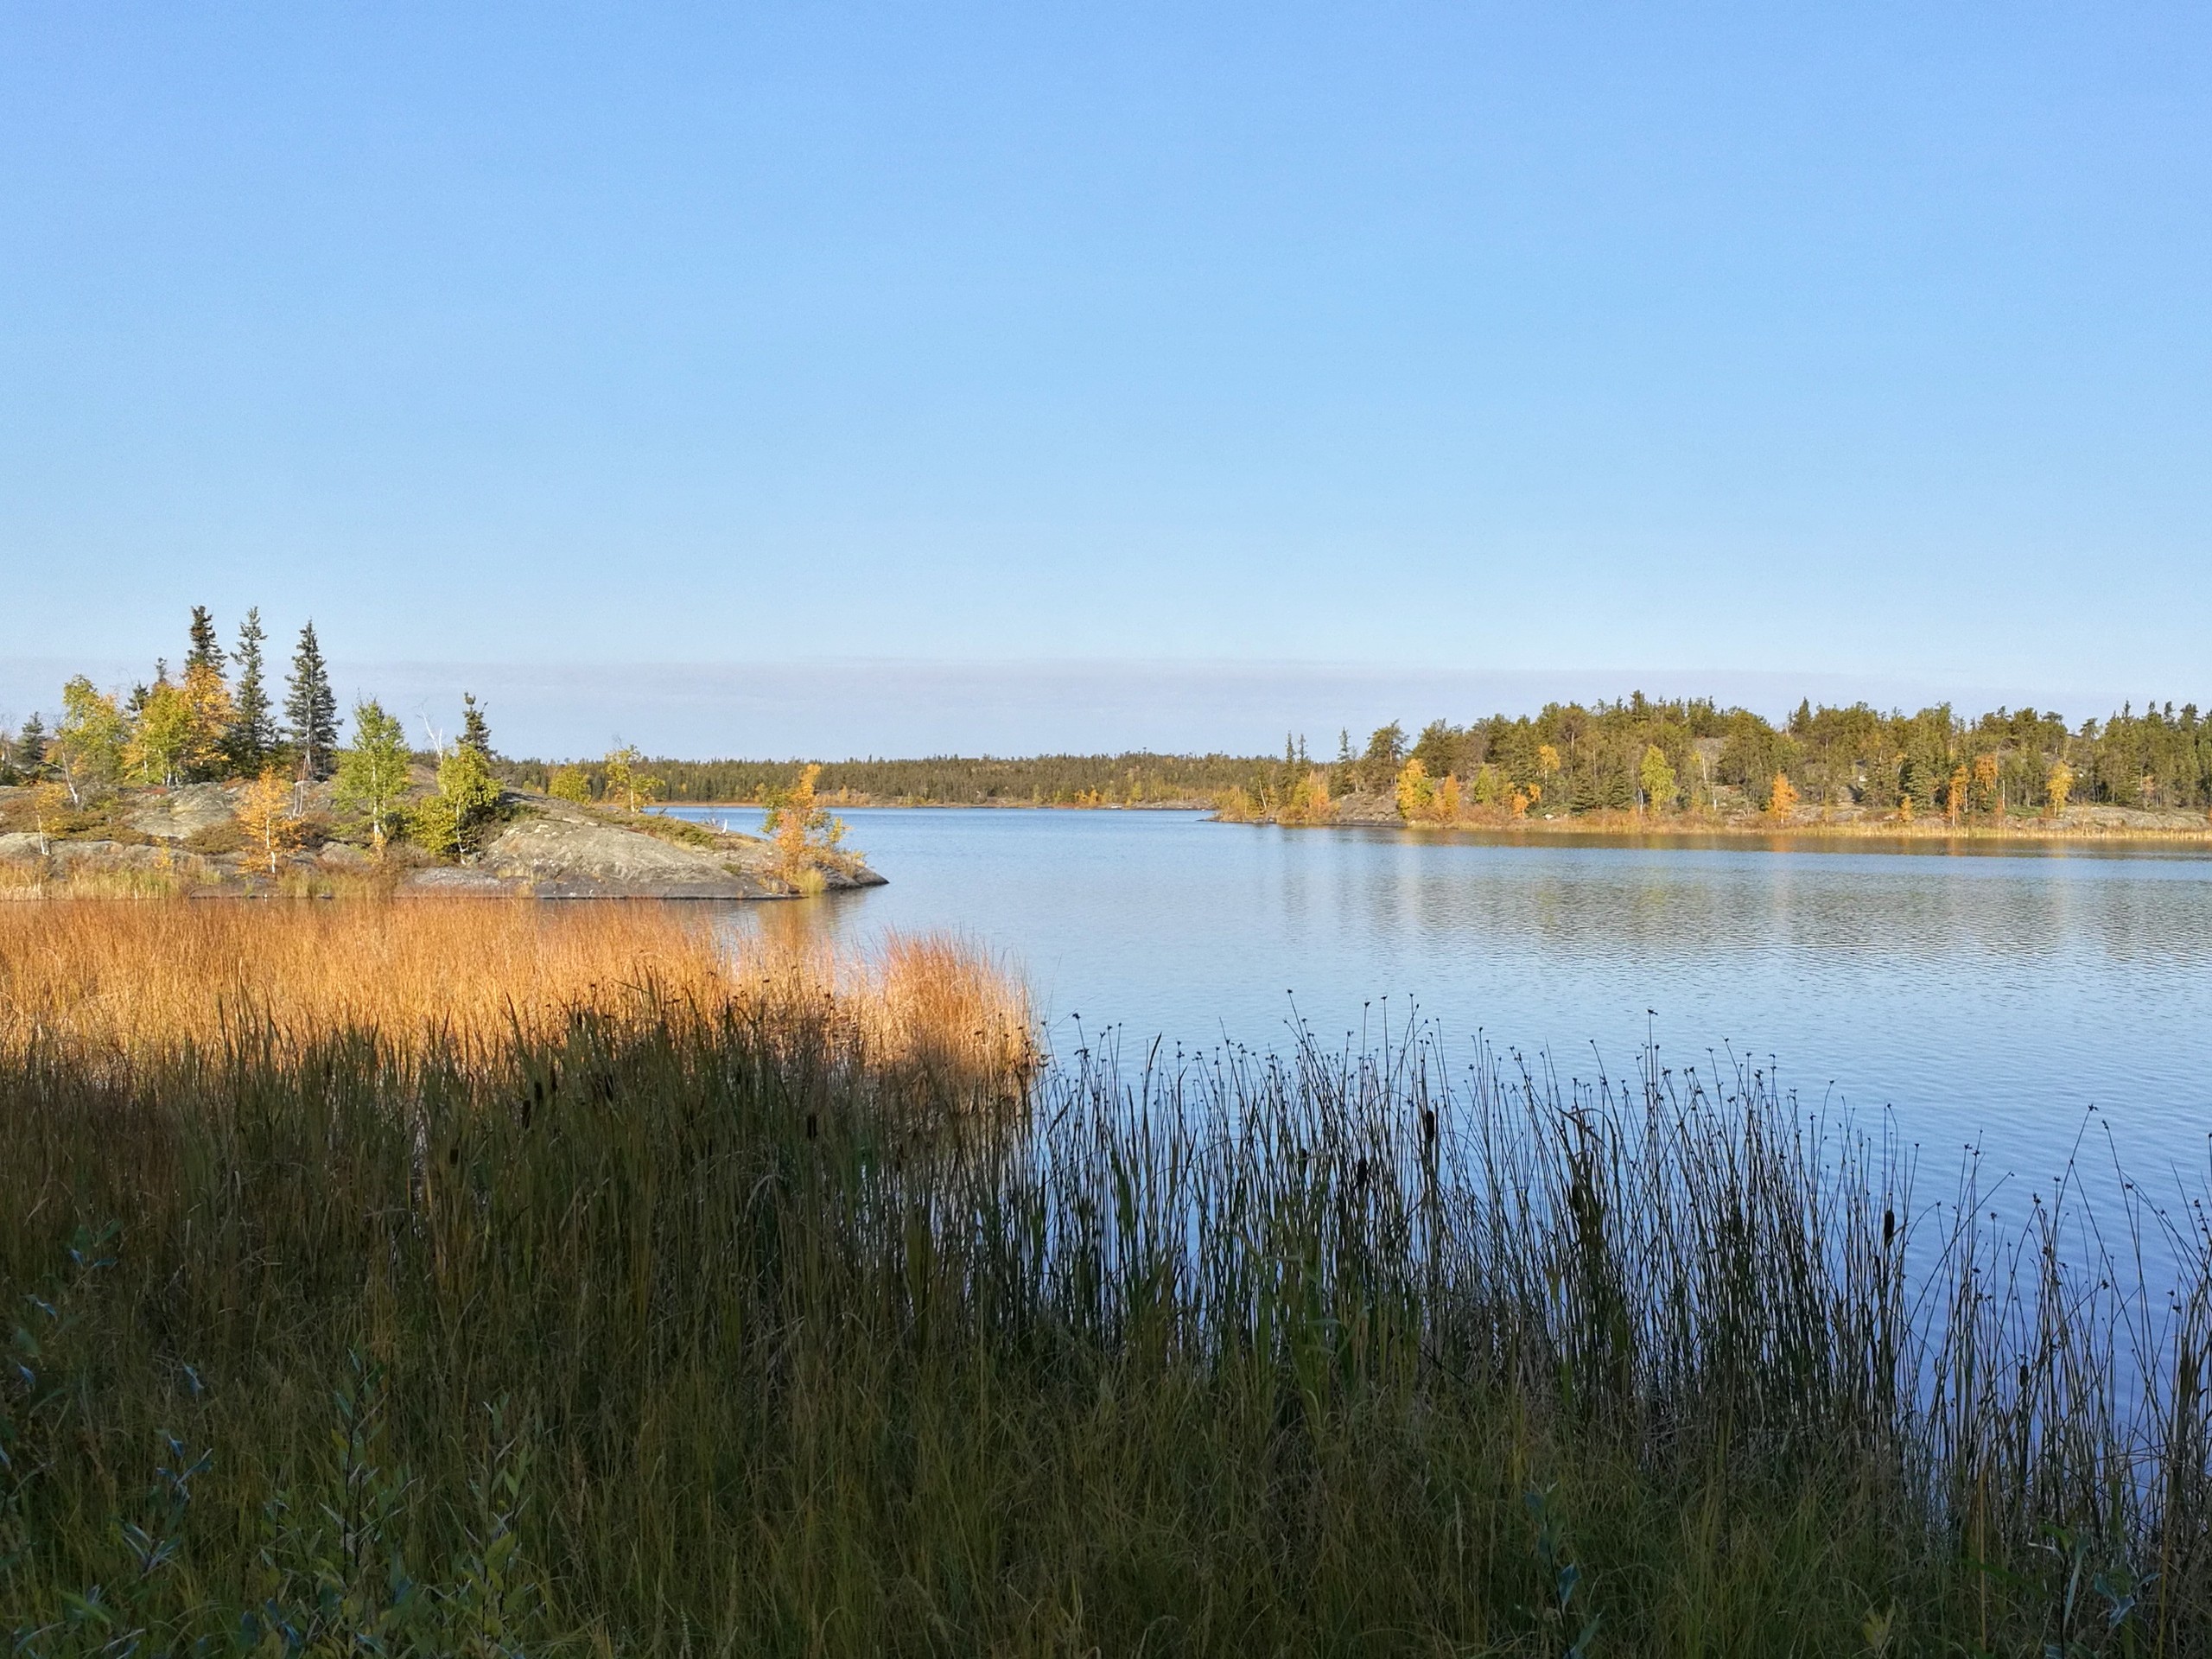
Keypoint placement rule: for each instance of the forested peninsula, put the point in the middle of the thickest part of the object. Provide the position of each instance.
(201, 783)
(1691, 766)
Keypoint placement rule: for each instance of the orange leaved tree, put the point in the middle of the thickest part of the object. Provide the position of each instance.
(1308, 801)
(802, 829)
(265, 813)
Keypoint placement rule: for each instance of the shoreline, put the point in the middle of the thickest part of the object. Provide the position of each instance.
(2099, 826)
(1812, 838)
(1627, 828)
(847, 803)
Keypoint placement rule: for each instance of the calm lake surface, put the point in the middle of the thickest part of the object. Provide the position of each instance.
(1991, 998)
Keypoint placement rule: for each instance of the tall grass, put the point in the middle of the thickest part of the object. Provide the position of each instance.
(91, 982)
(25, 880)
(690, 1323)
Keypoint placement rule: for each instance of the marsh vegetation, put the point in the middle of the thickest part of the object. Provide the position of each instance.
(475, 1278)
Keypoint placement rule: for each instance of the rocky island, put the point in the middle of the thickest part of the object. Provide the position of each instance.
(199, 840)
(193, 785)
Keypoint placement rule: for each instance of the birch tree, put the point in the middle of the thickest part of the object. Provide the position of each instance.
(373, 773)
(265, 813)
(160, 736)
(89, 745)
(1657, 778)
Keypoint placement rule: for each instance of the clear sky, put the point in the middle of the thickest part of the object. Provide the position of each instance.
(1866, 344)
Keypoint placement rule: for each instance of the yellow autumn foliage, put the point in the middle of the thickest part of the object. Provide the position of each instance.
(1308, 802)
(2057, 785)
(265, 813)
(1416, 794)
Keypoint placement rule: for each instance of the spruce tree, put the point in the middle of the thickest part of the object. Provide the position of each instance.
(254, 734)
(211, 711)
(311, 710)
(141, 693)
(30, 745)
(205, 651)
(474, 734)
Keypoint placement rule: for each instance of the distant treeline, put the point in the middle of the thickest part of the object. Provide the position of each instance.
(1635, 753)
(1132, 779)
(1602, 757)
(220, 719)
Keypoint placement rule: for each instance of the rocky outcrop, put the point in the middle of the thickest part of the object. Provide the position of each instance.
(82, 854)
(558, 851)
(541, 848)
(179, 814)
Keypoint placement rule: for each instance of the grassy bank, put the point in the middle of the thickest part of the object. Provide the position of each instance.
(667, 1304)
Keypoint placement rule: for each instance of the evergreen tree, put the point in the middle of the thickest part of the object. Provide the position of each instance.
(311, 710)
(254, 734)
(1912, 787)
(1386, 753)
(141, 693)
(474, 734)
(205, 651)
(30, 745)
(210, 713)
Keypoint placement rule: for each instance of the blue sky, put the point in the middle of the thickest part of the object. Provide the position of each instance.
(1563, 345)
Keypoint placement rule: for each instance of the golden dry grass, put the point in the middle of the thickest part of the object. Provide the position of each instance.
(21, 880)
(94, 977)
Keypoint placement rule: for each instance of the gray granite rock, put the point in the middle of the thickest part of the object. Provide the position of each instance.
(448, 881)
(562, 852)
(176, 814)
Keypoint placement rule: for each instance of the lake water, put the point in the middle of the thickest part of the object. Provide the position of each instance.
(1987, 998)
